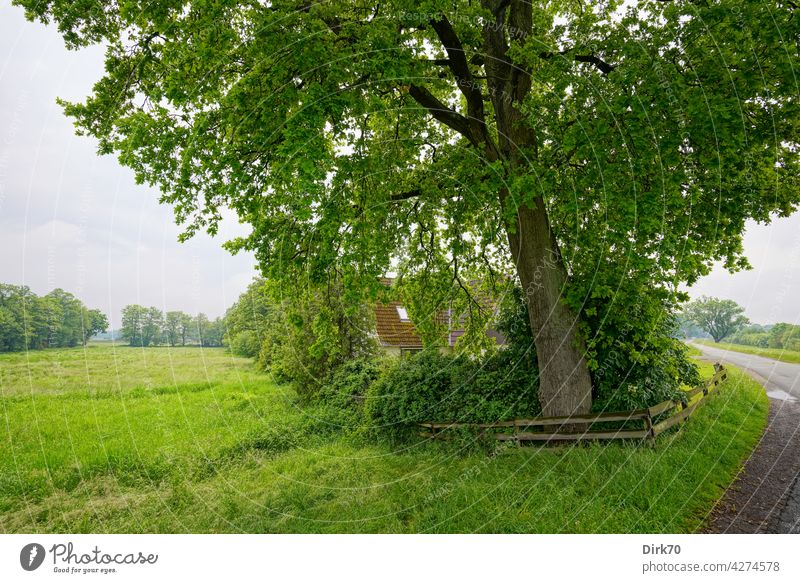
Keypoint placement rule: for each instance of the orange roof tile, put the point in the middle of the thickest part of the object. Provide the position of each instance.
(392, 331)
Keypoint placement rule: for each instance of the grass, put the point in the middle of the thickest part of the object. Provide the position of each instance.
(781, 354)
(117, 439)
(693, 350)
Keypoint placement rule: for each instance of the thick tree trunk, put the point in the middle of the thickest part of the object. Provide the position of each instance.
(565, 386)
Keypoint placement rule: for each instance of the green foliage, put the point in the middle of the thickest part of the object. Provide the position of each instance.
(781, 354)
(143, 326)
(56, 320)
(720, 318)
(248, 319)
(210, 332)
(96, 322)
(245, 343)
(781, 335)
(340, 402)
(172, 327)
(784, 335)
(649, 132)
(195, 440)
(759, 339)
(634, 357)
(753, 335)
(309, 335)
(513, 323)
(685, 328)
(431, 386)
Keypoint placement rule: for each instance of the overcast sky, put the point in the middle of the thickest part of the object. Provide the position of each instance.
(72, 219)
(75, 220)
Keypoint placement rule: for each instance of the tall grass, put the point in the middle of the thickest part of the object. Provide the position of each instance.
(117, 439)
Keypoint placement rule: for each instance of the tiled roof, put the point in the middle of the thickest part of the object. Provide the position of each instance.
(392, 331)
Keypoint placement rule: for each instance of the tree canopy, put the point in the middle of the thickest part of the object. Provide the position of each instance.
(55, 320)
(720, 318)
(605, 152)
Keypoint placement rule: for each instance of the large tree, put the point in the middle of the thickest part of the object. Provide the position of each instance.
(173, 327)
(152, 326)
(720, 318)
(185, 328)
(133, 319)
(94, 322)
(611, 150)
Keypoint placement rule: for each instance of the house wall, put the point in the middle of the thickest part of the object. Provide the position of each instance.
(398, 351)
(391, 350)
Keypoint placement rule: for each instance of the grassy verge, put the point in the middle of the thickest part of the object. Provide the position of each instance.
(693, 350)
(114, 439)
(776, 353)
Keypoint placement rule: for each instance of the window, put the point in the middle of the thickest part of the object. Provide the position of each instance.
(401, 311)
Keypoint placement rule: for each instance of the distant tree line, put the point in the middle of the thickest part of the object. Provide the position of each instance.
(55, 320)
(149, 326)
(781, 335)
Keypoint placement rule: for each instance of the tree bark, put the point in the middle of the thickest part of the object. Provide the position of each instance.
(564, 382)
(565, 386)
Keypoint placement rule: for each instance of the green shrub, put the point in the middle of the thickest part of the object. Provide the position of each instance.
(311, 335)
(753, 335)
(634, 358)
(793, 344)
(339, 404)
(430, 386)
(245, 343)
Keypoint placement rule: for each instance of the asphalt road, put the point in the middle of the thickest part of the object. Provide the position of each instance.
(780, 379)
(766, 496)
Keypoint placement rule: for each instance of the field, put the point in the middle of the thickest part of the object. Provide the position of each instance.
(776, 353)
(117, 439)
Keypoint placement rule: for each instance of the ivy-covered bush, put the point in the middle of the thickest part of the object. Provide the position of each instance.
(339, 404)
(311, 335)
(431, 386)
(633, 355)
(634, 358)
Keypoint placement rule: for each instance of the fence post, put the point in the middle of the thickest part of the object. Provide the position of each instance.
(648, 425)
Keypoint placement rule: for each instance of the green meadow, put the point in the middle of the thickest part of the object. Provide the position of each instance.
(117, 439)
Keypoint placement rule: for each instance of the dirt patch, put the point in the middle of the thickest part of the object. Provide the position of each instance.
(765, 497)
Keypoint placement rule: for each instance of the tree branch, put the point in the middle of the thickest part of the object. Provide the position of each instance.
(406, 195)
(605, 67)
(457, 59)
(457, 62)
(441, 112)
(414, 193)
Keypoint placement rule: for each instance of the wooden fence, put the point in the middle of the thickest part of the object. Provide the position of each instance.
(557, 428)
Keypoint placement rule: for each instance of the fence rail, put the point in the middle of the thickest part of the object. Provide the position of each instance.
(557, 428)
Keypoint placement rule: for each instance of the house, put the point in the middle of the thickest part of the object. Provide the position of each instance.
(398, 336)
